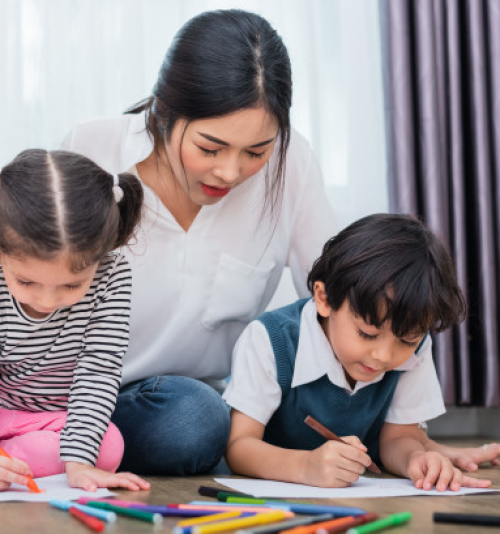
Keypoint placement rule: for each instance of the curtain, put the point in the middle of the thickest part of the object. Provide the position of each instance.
(442, 87)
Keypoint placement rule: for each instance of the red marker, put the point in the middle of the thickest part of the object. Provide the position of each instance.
(92, 522)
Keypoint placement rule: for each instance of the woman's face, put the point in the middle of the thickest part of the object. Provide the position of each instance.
(210, 157)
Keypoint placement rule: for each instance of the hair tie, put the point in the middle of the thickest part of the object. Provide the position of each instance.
(117, 190)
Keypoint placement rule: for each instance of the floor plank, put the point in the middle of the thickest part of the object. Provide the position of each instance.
(42, 518)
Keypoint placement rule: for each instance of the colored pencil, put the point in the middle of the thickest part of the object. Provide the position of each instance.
(328, 434)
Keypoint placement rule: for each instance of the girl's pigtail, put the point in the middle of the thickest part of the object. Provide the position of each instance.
(128, 195)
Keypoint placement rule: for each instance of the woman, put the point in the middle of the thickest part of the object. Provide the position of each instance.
(232, 196)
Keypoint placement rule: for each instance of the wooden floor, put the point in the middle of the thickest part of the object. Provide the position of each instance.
(42, 518)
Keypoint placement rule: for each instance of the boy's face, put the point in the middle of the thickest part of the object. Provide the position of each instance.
(364, 350)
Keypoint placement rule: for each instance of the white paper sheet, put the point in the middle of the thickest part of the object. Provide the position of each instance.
(365, 487)
(56, 487)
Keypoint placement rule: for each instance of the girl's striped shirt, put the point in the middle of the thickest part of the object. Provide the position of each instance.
(70, 360)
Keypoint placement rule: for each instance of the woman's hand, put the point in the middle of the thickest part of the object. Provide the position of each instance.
(428, 469)
(468, 459)
(13, 471)
(90, 478)
(336, 464)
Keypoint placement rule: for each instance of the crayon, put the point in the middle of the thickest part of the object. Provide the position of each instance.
(31, 483)
(217, 493)
(282, 525)
(110, 517)
(85, 500)
(389, 521)
(92, 522)
(468, 519)
(130, 512)
(234, 524)
(209, 518)
(220, 506)
(186, 526)
(340, 524)
(301, 508)
(328, 434)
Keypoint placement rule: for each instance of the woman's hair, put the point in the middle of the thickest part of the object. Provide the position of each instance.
(391, 268)
(61, 202)
(221, 62)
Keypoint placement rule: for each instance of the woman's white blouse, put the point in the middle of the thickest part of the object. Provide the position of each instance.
(194, 292)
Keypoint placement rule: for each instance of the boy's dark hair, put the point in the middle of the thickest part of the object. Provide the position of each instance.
(61, 202)
(391, 268)
(221, 62)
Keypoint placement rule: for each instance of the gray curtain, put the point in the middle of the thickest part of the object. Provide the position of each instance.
(442, 86)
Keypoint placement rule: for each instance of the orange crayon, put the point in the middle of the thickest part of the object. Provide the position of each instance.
(31, 483)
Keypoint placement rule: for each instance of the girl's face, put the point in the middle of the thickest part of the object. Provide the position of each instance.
(364, 350)
(219, 154)
(43, 286)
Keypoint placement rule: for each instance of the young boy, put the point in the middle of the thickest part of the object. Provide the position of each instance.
(357, 357)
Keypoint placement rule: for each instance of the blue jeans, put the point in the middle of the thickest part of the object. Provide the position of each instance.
(172, 425)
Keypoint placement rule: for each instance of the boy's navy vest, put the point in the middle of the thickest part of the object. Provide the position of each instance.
(361, 414)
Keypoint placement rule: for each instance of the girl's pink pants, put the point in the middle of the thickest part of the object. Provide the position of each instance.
(34, 438)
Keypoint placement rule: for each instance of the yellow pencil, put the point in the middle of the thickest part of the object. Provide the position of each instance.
(258, 519)
(208, 518)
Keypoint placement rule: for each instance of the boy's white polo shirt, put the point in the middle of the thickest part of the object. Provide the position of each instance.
(254, 389)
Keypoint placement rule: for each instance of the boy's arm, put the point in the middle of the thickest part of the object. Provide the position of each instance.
(333, 464)
(403, 452)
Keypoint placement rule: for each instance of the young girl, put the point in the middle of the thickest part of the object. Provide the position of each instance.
(64, 312)
(357, 357)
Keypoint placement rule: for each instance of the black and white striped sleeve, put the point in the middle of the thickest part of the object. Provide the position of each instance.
(98, 372)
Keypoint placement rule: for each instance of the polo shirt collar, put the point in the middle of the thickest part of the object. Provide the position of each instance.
(315, 356)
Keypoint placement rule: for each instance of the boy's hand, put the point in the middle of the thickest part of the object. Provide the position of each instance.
(335, 464)
(428, 469)
(13, 471)
(90, 478)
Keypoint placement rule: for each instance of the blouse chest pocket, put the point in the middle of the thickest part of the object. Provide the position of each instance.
(237, 292)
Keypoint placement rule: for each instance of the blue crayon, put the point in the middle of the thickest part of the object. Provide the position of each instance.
(110, 517)
(171, 511)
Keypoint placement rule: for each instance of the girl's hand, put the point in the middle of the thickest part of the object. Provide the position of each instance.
(90, 478)
(428, 469)
(336, 464)
(13, 471)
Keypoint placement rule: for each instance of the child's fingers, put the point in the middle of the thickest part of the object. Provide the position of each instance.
(13, 464)
(143, 484)
(471, 482)
(11, 477)
(121, 480)
(432, 474)
(416, 474)
(449, 477)
(347, 456)
(354, 440)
